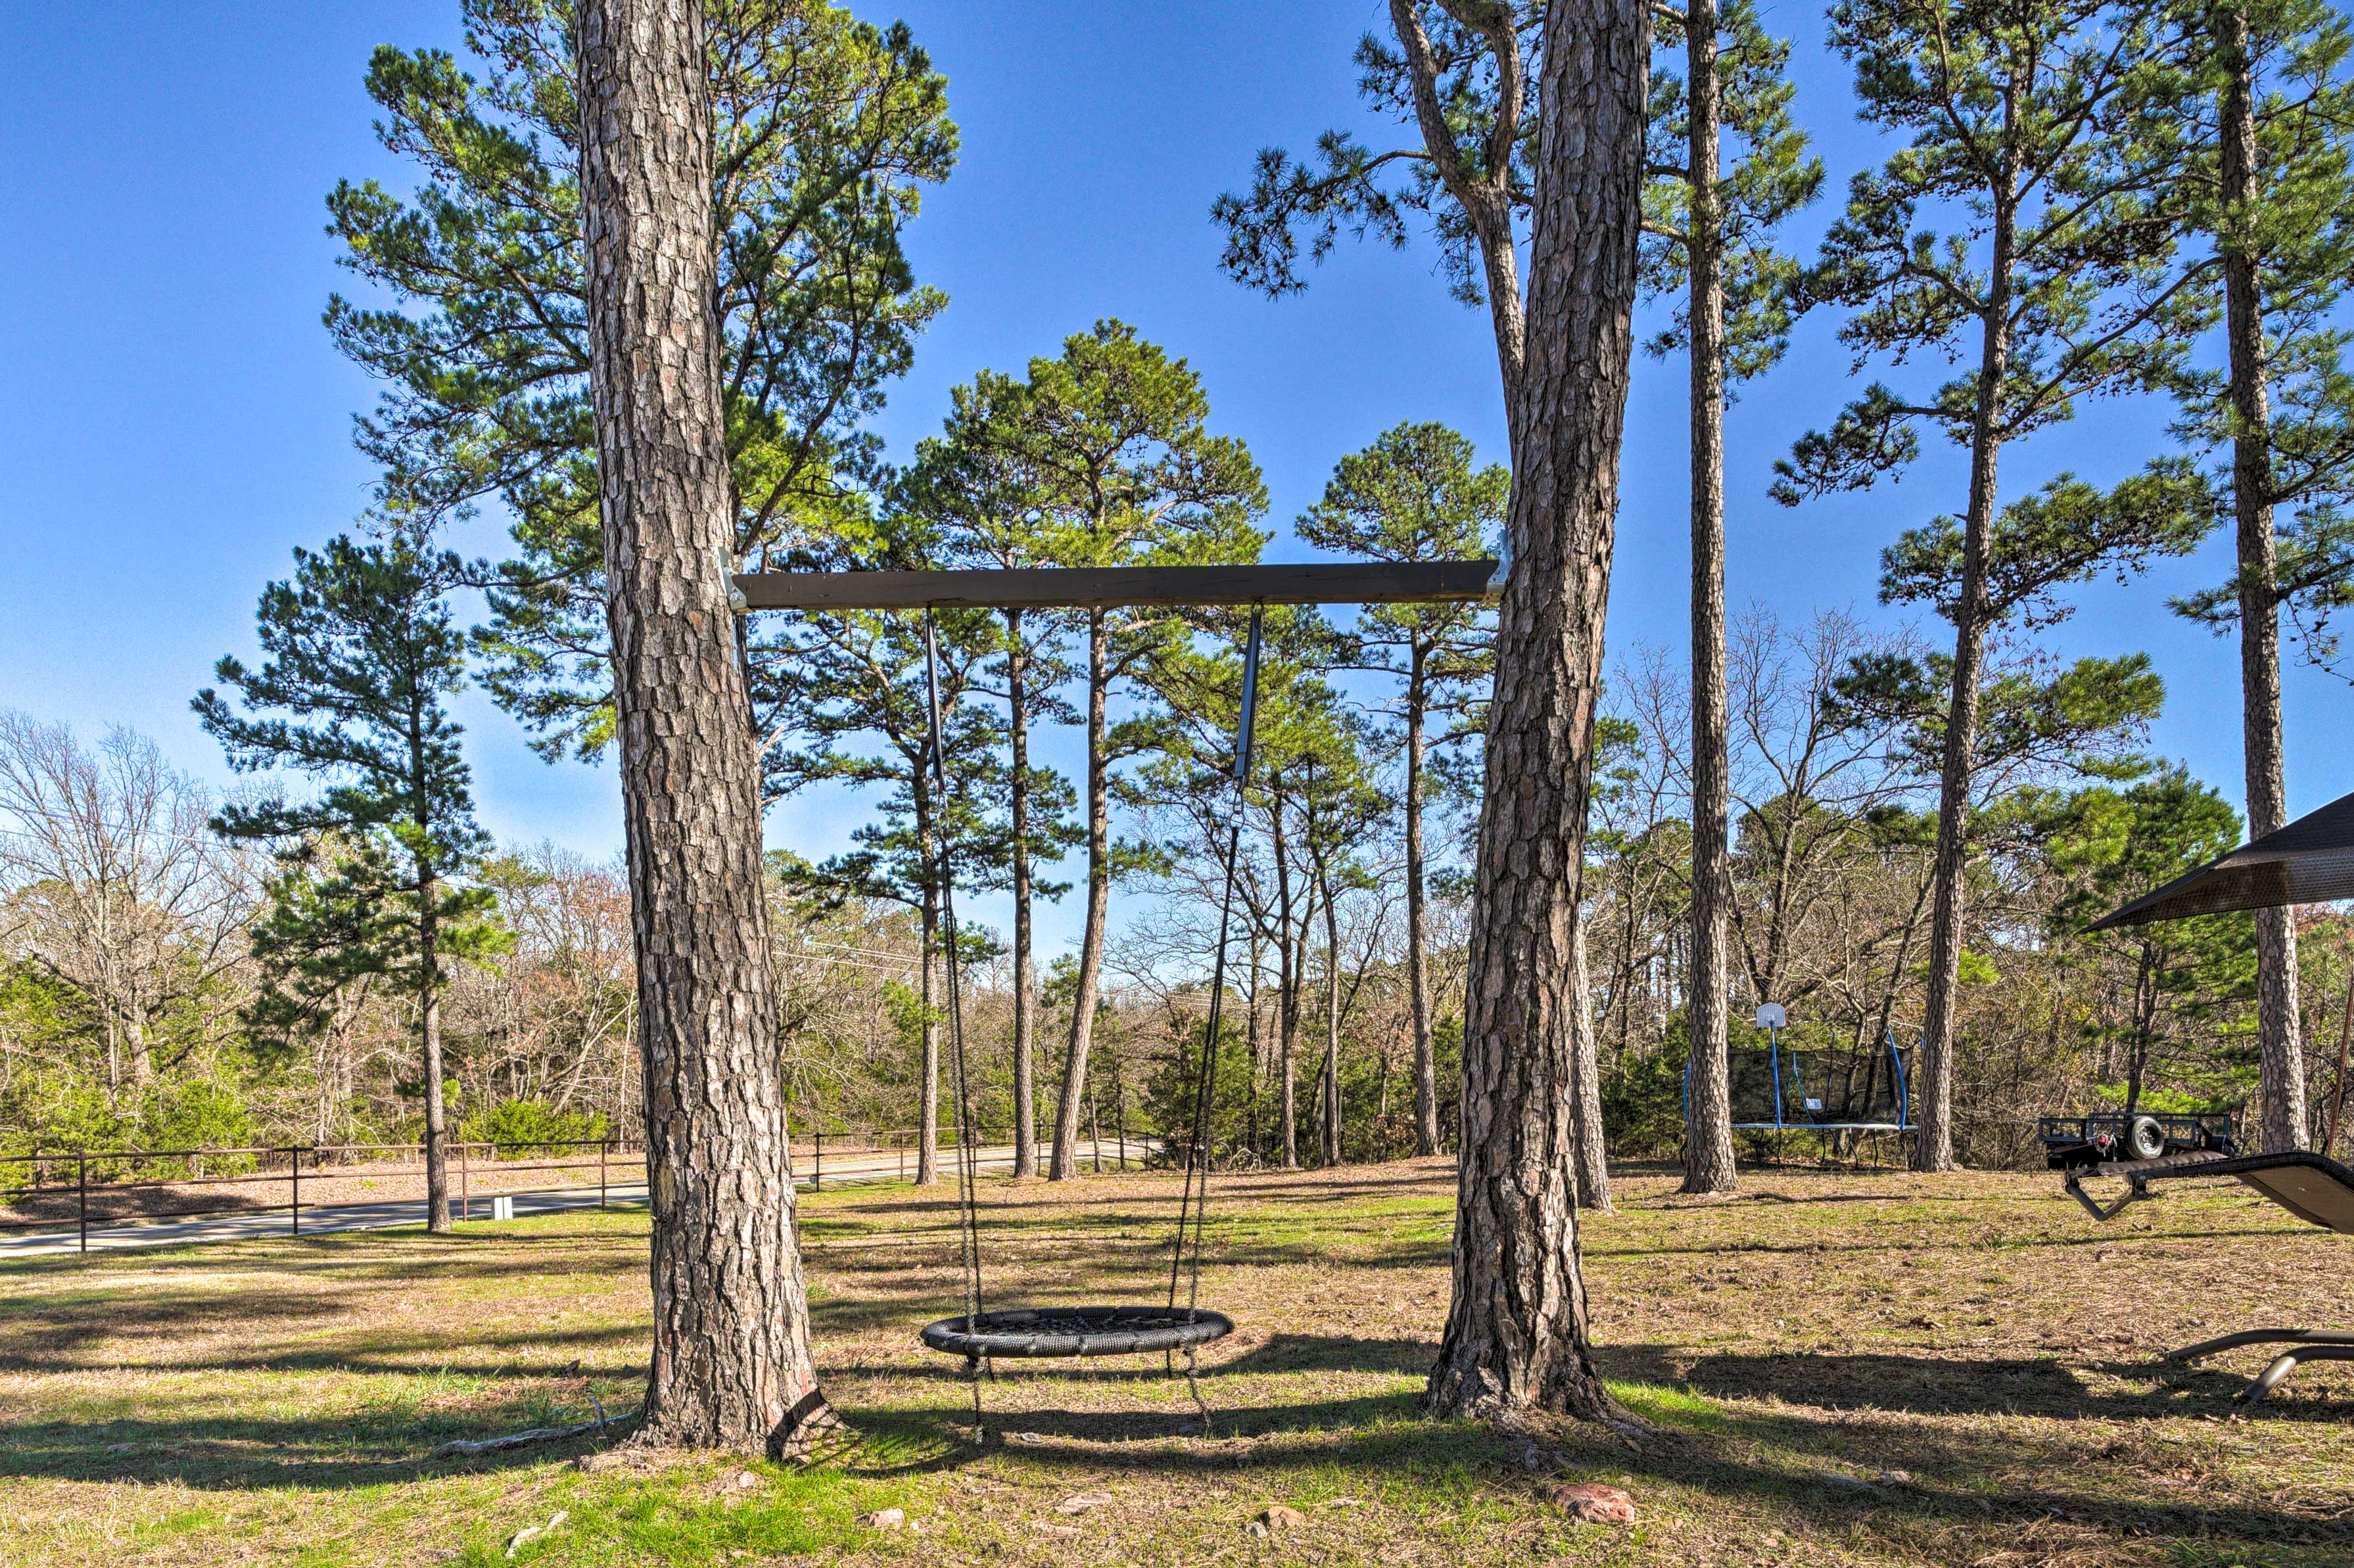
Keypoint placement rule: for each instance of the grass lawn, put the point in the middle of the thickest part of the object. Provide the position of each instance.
(1883, 1368)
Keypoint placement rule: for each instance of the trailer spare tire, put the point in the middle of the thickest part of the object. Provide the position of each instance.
(2144, 1139)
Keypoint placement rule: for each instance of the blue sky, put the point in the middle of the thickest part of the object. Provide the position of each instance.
(173, 418)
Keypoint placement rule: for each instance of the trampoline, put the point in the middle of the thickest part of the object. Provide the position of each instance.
(1784, 1090)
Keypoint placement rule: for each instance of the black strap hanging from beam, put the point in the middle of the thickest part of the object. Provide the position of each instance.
(1194, 1201)
(968, 1147)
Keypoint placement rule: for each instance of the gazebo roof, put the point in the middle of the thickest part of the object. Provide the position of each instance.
(2310, 861)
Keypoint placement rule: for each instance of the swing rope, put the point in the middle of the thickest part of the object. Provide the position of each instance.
(1195, 1195)
(1098, 1330)
(967, 1148)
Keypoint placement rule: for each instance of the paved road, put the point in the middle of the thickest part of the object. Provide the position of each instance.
(843, 1171)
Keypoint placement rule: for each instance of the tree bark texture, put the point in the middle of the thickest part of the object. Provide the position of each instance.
(1484, 195)
(1064, 1163)
(730, 1364)
(1707, 1114)
(1516, 1328)
(1026, 979)
(2281, 1117)
(1586, 1070)
(1417, 960)
(1933, 1141)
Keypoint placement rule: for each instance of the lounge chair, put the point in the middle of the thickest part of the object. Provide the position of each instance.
(2313, 1187)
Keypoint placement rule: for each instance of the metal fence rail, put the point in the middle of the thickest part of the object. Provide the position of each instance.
(98, 1174)
(45, 1166)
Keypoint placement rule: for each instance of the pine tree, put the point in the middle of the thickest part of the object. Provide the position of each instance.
(825, 130)
(1711, 238)
(1467, 76)
(1415, 496)
(1113, 453)
(731, 1366)
(2057, 281)
(860, 698)
(362, 658)
(979, 503)
(1516, 1336)
(2269, 119)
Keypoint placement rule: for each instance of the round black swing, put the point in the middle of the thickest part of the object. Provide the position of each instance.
(1078, 1330)
(1094, 1330)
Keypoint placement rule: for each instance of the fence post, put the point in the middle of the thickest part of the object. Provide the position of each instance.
(82, 1184)
(601, 1148)
(465, 1181)
(294, 1173)
(818, 1183)
(1119, 1113)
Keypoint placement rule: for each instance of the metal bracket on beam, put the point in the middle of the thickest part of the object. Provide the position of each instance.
(736, 600)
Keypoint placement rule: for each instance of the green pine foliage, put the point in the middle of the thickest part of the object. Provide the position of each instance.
(1771, 175)
(2162, 996)
(2298, 233)
(361, 657)
(1300, 207)
(827, 129)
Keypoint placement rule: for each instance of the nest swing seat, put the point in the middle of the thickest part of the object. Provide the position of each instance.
(1078, 1330)
(1093, 1331)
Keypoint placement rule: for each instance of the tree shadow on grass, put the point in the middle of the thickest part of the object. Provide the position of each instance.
(1953, 1385)
(376, 1352)
(1810, 1469)
(363, 1447)
(1807, 1467)
(345, 1256)
(1277, 1354)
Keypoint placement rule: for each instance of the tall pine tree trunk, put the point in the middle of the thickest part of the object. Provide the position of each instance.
(1289, 962)
(1516, 1328)
(429, 1033)
(1708, 1116)
(2280, 1061)
(1586, 1079)
(1026, 979)
(1332, 1020)
(927, 1110)
(1417, 960)
(1064, 1162)
(1933, 1143)
(730, 1362)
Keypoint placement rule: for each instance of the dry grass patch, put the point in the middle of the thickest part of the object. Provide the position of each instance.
(1875, 1369)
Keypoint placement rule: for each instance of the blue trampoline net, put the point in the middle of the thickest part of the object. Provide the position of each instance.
(1778, 1088)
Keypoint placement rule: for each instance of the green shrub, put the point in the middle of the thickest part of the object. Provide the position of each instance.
(61, 1115)
(532, 1121)
(1643, 1101)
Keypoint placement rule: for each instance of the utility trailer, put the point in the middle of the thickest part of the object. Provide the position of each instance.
(2075, 1143)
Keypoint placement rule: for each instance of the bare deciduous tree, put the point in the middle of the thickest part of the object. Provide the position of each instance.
(110, 882)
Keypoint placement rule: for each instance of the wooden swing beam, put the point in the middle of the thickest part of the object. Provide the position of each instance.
(1101, 588)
